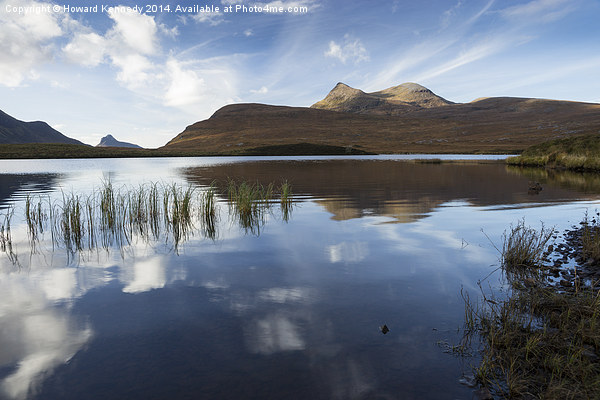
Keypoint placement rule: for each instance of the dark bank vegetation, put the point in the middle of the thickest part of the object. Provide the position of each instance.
(576, 153)
(60, 150)
(540, 338)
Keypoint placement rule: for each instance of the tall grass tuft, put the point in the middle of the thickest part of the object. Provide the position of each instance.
(245, 199)
(6, 244)
(208, 212)
(590, 237)
(524, 247)
(116, 217)
(285, 194)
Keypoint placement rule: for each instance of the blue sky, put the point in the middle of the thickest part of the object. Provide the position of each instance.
(144, 77)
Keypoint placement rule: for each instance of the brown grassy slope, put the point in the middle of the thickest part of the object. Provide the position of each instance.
(488, 125)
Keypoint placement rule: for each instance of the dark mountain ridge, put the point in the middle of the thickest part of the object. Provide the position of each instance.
(13, 130)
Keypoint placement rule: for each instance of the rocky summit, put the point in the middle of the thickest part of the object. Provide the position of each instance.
(395, 100)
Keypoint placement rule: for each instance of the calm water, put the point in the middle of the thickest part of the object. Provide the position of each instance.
(291, 311)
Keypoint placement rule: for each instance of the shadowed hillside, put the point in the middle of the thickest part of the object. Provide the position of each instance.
(14, 131)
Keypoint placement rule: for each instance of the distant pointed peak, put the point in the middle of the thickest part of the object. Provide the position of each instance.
(341, 89)
(342, 85)
(110, 141)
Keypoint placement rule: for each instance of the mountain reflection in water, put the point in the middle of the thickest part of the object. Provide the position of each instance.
(403, 190)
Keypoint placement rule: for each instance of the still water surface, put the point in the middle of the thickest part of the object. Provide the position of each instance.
(289, 311)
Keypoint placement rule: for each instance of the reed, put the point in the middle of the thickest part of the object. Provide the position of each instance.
(590, 238)
(208, 212)
(524, 246)
(6, 243)
(115, 217)
(285, 196)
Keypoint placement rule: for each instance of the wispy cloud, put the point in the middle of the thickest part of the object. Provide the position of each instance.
(262, 90)
(474, 53)
(349, 49)
(212, 18)
(539, 10)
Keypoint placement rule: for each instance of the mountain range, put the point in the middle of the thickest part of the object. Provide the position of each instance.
(401, 119)
(407, 118)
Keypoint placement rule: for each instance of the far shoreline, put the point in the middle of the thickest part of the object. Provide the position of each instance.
(70, 151)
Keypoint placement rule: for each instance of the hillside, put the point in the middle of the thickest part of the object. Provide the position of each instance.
(487, 125)
(110, 141)
(14, 131)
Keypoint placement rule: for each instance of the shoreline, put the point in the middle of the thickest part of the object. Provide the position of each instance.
(540, 336)
(70, 151)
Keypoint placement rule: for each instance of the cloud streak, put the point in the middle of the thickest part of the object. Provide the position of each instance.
(349, 49)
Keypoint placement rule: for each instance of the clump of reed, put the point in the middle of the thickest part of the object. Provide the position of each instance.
(208, 211)
(523, 246)
(115, 217)
(285, 197)
(538, 340)
(6, 244)
(590, 238)
(249, 201)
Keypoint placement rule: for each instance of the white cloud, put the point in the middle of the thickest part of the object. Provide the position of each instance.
(248, 32)
(128, 45)
(26, 41)
(209, 17)
(87, 49)
(137, 31)
(199, 84)
(135, 70)
(185, 87)
(349, 50)
(262, 90)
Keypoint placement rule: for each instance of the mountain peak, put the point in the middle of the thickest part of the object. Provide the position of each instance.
(391, 101)
(341, 91)
(412, 93)
(110, 141)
